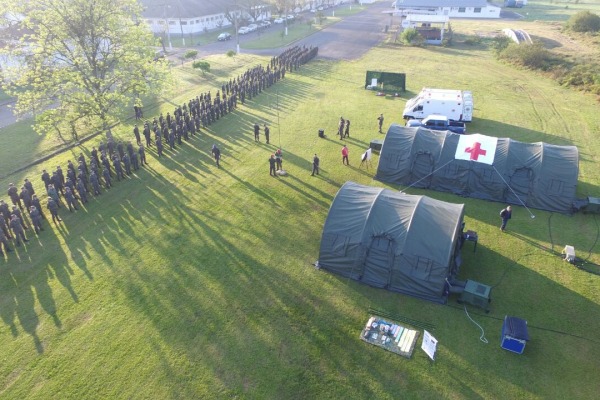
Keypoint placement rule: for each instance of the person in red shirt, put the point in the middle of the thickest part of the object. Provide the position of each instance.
(345, 152)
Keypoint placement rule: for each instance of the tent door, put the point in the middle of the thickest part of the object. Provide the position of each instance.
(422, 168)
(520, 182)
(379, 262)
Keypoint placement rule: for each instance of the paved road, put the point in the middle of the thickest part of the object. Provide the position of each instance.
(348, 39)
(6, 115)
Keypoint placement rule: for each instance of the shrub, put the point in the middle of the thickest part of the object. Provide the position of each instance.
(203, 66)
(583, 21)
(473, 40)
(499, 43)
(191, 54)
(533, 56)
(411, 37)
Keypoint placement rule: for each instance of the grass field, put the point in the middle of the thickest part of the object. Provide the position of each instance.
(543, 10)
(188, 281)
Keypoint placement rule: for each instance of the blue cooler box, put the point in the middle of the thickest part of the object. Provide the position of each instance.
(514, 334)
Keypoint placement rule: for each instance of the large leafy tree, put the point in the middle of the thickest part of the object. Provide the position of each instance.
(79, 60)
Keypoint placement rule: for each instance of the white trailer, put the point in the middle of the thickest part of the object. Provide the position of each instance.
(457, 105)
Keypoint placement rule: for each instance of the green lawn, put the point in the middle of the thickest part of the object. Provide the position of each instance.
(544, 10)
(188, 281)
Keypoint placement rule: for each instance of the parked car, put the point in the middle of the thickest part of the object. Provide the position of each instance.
(438, 123)
(244, 30)
(252, 27)
(224, 36)
(278, 21)
(264, 24)
(290, 17)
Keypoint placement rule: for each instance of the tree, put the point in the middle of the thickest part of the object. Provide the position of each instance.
(203, 66)
(255, 9)
(81, 60)
(231, 54)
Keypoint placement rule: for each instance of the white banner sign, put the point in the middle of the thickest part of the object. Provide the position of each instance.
(476, 147)
(429, 345)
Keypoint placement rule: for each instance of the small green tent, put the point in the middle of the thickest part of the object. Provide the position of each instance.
(388, 239)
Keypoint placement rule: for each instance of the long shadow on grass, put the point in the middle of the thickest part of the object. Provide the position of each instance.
(238, 313)
(21, 285)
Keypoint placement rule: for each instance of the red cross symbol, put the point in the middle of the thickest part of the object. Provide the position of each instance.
(475, 151)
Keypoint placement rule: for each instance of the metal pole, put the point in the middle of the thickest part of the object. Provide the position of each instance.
(168, 28)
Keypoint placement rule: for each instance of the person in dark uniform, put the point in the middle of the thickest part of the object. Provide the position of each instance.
(172, 139)
(5, 210)
(4, 226)
(380, 119)
(82, 163)
(46, 178)
(142, 153)
(60, 174)
(95, 183)
(4, 240)
(315, 169)
(134, 161)
(36, 219)
(118, 167)
(36, 202)
(127, 163)
(70, 199)
(256, 133)
(95, 157)
(106, 176)
(267, 132)
(341, 125)
(347, 131)
(216, 154)
(272, 163)
(29, 186)
(17, 212)
(81, 189)
(17, 228)
(120, 149)
(13, 193)
(136, 132)
(53, 207)
(25, 195)
(159, 146)
(147, 135)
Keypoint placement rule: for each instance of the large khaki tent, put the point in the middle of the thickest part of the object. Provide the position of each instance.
(539, 175)
(387, 239)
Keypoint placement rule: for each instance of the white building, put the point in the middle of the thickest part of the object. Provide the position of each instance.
(187, 17)
(450, 8)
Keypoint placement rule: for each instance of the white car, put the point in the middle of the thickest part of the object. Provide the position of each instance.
(252, 27)
(264, 24)
(278, 21)
(244, 30)
(290, 17)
